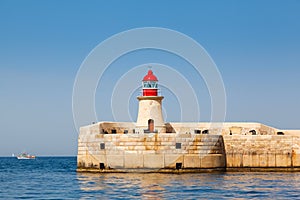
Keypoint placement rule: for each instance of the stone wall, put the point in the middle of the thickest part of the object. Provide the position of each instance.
(108, 128)
(150, 152)
(233, 128)
(117, 147)
(262, 151)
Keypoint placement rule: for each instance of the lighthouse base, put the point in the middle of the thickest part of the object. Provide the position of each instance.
(146, 129)
(150, 118)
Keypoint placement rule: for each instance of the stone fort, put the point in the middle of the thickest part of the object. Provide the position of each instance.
(152, 145)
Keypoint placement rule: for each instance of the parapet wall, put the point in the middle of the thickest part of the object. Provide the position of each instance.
(228, 128)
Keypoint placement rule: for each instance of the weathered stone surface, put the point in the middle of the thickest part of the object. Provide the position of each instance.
(212, 161)
(133, 161)
(296, 159)
(192, 161)
(154, 161)
(283, 160)
(172, 159)
(240, 150)
(115, 161)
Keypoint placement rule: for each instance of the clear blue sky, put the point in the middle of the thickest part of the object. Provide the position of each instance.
(255, 44)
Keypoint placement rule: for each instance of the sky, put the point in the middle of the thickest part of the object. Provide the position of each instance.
(254, 44)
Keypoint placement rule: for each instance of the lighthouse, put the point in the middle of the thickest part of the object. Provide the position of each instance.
(150, 118)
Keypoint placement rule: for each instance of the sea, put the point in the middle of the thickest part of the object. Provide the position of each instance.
(56, 178)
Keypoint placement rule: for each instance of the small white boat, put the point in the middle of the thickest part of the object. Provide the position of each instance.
(23, 156)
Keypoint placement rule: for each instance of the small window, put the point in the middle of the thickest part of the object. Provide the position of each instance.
(125, 131)
(253, 132)
(113, 131)
(178, 145)
(196, 131)
(178, 165)
(102, 145)
(205, 132)
(102, 166)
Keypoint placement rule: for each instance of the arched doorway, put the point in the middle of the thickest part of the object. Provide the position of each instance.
(151, 125)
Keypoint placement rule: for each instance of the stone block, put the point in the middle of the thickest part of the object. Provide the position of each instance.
(115, 161)
(153, 160)
(149, 143)
(296, 159)
(202, 152)
(229, 159)
(112, 152)
(255, 160)
(139, 148)
(263, 160)
(167, 143)
(191, 161)
(190, 147)
(247, 160)
(271, 160)
(149, 152)
(212, 161)
(172, 159)
(236, 160)
(283, 160)
(133, 160)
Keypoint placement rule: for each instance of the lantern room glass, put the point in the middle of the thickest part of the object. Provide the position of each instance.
(150, 84)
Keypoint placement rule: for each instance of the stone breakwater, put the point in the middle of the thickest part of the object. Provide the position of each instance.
(112, 147)
(151, 152)
(262, 152)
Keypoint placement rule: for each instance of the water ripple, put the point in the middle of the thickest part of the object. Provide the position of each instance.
(56, 178)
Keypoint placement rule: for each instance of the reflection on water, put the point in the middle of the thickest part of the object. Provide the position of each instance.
(189, 186)
(56, 178)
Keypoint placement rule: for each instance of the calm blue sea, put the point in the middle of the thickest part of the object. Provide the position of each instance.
(56, 178)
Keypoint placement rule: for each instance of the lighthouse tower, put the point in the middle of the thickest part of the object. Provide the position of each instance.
(150, 118)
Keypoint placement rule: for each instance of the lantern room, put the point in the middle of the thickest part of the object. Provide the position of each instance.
(150, 85)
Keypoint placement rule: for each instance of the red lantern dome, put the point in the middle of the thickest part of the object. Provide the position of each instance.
(150, 76)
(150, 84)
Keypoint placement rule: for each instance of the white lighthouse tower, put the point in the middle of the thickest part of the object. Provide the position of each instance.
(150, 118)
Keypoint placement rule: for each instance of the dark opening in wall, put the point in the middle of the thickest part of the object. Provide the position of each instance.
(178, 145)
(125, 131)
(102, 145)
(102, 166)
(81, 164)
(113, 131)
(280, 133)
(178, 165)
(133, 130)
(197, 131)
(205, 132)
(151, 125)
(253, 132)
